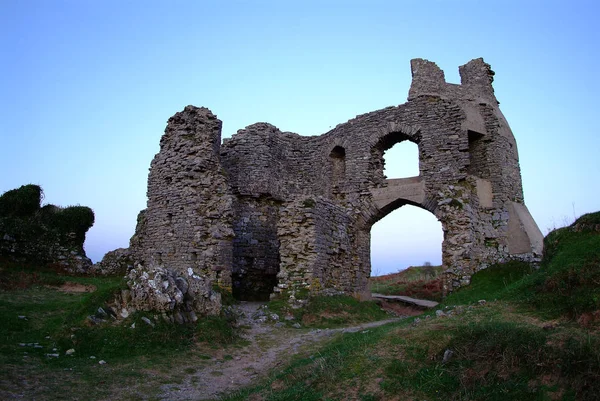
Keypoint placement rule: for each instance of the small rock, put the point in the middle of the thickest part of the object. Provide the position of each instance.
(447, 356)
(482, 302)
(101, 362)
(22, 344)
(274, 316)
(94, 320)
(279, 324)
(416, 321)
(439, 313)
(102, 312)
(92, 357)
(22, 317)
(124, 313)
(70, 351)
(52, 355)
(148, 321)
(296, 325)
(37, 346)
(133, 326)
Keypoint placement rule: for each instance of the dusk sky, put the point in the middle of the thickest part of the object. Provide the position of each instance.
(86, 89)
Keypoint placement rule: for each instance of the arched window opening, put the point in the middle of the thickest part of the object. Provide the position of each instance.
(407, 237)
(401, 160)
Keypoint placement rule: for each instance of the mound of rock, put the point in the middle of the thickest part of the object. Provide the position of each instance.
(163, 290)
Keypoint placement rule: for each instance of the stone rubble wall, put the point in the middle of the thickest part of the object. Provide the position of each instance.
(114, 263)
(187, 227)
(272, 211)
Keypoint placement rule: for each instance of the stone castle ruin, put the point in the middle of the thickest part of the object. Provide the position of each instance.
(269, 212)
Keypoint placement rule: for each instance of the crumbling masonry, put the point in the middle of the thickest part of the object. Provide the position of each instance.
(269, 212)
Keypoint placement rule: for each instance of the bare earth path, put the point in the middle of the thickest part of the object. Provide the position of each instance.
(268, 347)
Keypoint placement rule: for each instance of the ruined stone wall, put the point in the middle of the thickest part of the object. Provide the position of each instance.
(187, 226)
(318, 240)
(255, 248)
(279, 212)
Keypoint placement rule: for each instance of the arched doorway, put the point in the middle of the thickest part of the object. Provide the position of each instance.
(408, 236)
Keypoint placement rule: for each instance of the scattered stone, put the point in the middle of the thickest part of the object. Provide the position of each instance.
(133, 326)
(296, 325)
(439, 313)
(92, 357)
(22, 317)
(93, 320)
(159, 289)
(447, 356)
(52, 355)
(70, 351)
(279, 324)
(482, 302)
(148, 321)
(102, 362)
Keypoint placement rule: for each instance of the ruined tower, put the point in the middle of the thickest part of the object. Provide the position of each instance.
(269, 212)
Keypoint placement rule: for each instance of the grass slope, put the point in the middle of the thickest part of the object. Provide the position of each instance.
(424, 282)
(40, 323)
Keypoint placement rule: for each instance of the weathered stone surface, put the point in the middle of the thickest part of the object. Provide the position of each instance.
(275, 212)
(407, 300)
(117, 262)
(164, 290)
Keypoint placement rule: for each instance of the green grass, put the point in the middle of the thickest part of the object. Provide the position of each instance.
(422, 282)
(492, 283)
(331, 311)
(54, 322)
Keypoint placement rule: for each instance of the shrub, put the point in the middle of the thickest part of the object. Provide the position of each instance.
(21, 202)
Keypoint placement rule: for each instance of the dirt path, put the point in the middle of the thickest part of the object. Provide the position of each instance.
(269, 347)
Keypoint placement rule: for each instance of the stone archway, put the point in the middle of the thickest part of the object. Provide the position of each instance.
(301, 207)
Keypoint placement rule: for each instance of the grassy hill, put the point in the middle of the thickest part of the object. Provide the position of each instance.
(423, 282)
(516, 333)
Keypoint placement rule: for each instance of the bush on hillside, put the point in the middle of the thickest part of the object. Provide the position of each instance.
(21, 202)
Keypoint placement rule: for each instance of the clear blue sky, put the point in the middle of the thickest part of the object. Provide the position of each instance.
(86, 88)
